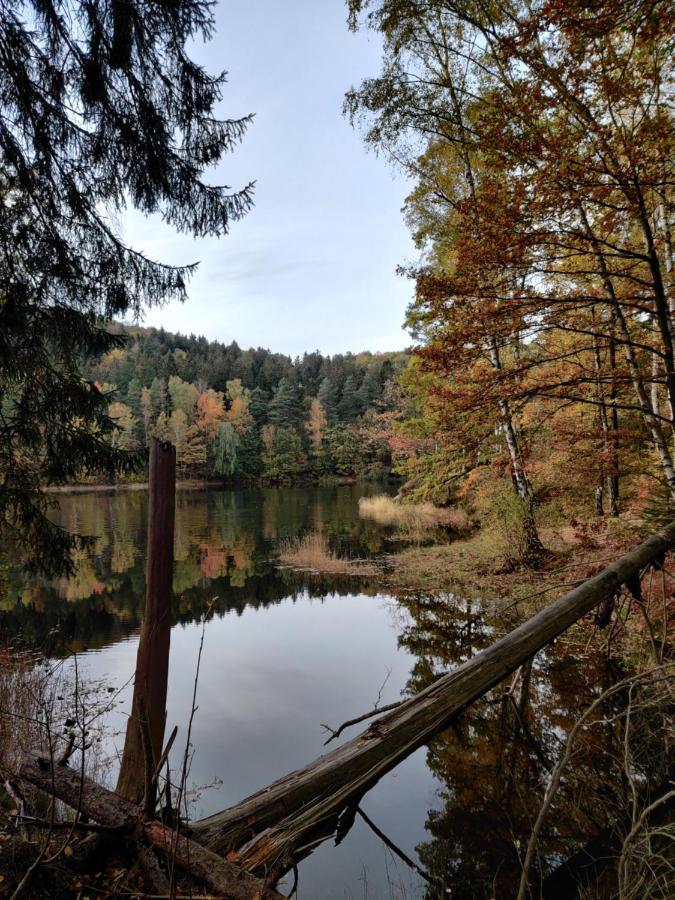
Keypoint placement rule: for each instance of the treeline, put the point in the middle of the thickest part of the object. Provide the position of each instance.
(250, 414)
(544, 209)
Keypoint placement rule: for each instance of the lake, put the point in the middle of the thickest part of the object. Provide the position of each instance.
(284, 652)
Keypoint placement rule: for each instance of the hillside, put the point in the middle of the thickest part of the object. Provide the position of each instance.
(250, 414)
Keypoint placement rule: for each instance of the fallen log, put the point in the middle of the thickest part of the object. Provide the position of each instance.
(224, 878)
(294, 813)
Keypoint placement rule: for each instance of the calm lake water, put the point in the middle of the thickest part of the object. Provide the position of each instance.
(284, 652)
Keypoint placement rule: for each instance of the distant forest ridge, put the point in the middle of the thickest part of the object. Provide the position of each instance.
(250, 414)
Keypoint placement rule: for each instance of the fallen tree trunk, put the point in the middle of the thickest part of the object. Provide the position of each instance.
(224, 878)
(286, 818)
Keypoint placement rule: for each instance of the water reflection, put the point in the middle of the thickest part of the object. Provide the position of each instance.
(278, 663)
(225, 548)
(495, 761)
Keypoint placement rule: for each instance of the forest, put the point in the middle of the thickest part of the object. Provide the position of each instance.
(250, 415)
(215, 561)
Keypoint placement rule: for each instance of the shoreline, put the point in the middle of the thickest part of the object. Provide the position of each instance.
(123, 486)
(200, 484)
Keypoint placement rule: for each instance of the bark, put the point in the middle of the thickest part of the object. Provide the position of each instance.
(613, 479)
(224, 878)
(152, 661)
(599, 510)
(285, 817)
(662, 310)
(533, 545)
(610, 470)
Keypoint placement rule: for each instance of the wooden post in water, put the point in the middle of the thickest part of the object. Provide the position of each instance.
(148, 712)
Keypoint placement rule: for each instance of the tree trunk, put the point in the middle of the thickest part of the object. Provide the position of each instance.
(533, 545)
(599, 509)
(609, 469)
(152, 660)
(224, 878)
(651, 420)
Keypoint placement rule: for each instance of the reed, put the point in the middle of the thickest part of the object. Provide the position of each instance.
(311, 553)
(411, 517)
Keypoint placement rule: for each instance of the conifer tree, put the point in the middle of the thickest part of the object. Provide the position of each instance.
(285, 408)
(100, 107)
(349, 406)
(258, 406)
(328, 398)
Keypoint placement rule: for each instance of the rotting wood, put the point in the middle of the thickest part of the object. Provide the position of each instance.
(226, 879)
(284, 818)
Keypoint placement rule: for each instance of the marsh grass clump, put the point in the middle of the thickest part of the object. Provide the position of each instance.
(412, 520)
(312, 553)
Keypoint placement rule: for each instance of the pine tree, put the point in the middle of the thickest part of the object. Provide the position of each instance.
(371, 387)
(101, 107)
(328, 398)
(349, 406)
(285, 408)
(259, 406)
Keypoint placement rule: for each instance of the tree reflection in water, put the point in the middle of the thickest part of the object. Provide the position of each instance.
(225, 547)
(492, 764)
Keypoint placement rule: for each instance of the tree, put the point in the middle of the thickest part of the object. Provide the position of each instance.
(327, 396)
(285, 408)
(194, 454)
(371, 386)
(556, 171)
(349, 406)
(211, 413)
(346, 451)
(147, 412)
(123, 437)
(259, 406)
(283, 458)
(100, 107)
(226, 450)
(183, 396)
(238, 413)
(315, 425)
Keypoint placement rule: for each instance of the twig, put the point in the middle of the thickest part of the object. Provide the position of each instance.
(165, 754)
(397, 850)
(183, 778)
(556, 774)
(45, 844)
(335, 733)
(369, 715)
(34, 822)
(382, 686)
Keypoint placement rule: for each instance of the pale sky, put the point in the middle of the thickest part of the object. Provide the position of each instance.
(313, 265)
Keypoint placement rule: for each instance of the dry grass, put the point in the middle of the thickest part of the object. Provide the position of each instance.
(311, 553)
(413, 518)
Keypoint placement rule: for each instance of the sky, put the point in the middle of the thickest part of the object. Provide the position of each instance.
(313, 265)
